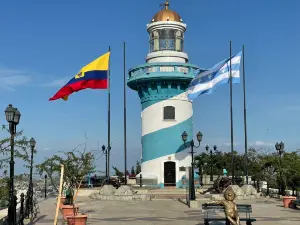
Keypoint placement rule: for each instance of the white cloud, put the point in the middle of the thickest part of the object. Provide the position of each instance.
(262, 143)
(254, 143)
(56, 83)
(47, 149)
(12, 78)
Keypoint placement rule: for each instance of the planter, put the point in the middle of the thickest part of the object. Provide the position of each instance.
(287, 201)
(69, 210)
(79, 219)
(62, 200)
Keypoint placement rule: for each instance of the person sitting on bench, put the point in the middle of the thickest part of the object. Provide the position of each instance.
(231, 211)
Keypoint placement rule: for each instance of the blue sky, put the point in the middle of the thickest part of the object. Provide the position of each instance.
(44, 44)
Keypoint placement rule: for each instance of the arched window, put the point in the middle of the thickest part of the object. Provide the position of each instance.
(169, 113)
(179, 41)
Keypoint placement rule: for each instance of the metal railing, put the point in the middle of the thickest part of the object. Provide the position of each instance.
(20, 211)
(20, 215)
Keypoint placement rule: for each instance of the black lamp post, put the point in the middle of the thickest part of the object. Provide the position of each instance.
(29, 199)
(210, 159)
(199, 139)
(280, 150)
(46, 185)
(13, 118)
(105, 151)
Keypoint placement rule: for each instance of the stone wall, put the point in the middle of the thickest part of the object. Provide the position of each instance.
(245, 192)
(123, 193)
(131, 181)
(147, 181)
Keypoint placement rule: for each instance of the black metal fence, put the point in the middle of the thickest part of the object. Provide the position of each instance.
(20, 215)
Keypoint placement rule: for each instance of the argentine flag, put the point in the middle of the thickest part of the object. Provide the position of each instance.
(206, 81)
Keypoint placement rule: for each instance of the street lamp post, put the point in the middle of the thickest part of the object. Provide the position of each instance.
(29, 199)
(13, 118)
(280, 150)
(105, 151)
(210, 159)
(46, 185)
(199, 139)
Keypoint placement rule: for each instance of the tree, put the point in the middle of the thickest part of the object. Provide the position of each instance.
(291, 170)
(21, 145)
(20, 151)
(138, 167)
(4, 192)
(118, 172)
(77, 165)
(132, 173)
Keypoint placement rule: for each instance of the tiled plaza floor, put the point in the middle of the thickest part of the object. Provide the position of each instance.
(267, 212)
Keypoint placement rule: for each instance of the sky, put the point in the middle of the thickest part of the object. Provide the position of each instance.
(45, 43)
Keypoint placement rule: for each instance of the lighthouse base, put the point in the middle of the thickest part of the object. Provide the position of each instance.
(166, 171)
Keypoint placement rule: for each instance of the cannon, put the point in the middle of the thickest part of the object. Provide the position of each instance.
(221, 183)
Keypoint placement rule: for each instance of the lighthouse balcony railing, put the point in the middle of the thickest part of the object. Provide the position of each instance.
(148, 69)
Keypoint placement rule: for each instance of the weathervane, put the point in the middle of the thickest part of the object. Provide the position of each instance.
(165, 5)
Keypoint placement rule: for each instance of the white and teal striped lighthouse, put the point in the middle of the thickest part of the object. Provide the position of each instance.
(166, 112)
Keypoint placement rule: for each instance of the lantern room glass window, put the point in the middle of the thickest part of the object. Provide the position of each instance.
(166, 39)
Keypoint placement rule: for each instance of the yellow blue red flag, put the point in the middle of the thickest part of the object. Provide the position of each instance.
(93, 75)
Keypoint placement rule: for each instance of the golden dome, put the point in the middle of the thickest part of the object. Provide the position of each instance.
(166, 15)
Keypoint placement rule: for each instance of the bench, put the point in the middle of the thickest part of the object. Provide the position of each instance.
(242, 208)
(295, 203)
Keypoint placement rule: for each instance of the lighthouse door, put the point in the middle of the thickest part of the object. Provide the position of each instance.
(170, 173)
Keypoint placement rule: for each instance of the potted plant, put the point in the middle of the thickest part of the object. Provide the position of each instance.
(78, 219)
(77, 165)
(68, 207)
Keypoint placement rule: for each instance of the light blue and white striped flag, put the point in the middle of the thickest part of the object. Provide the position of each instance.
(206, 81)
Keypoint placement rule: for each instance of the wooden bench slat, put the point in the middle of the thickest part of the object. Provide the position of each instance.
(222, 219)
(242, 208)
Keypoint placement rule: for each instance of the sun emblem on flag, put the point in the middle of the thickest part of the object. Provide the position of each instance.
(79, 75)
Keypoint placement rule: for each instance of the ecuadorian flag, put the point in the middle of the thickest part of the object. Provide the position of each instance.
(93, 75)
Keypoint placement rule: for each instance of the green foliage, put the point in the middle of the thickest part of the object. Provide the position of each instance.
(262, 166)
(21, 151)
(4, 192)
(118, 172)
(132, 171)
(137, 167)
(77, 164)
(291, 169)
(219, 160)
(21, 145)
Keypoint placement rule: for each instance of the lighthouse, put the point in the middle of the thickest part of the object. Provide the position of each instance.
(161, 84)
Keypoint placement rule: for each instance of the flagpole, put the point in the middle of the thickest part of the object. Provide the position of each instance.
(125, 150)
(108, 125)
(245, 119)
(231, 119)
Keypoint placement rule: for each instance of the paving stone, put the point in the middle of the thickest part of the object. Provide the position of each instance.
(163, 212)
